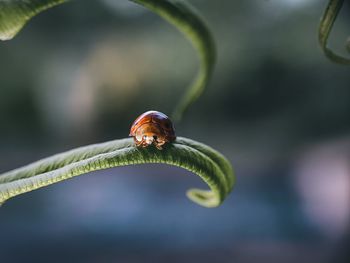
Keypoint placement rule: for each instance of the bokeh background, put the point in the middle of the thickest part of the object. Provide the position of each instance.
(277, 108)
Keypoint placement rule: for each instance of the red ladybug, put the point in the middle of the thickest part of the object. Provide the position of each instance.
(152, 127)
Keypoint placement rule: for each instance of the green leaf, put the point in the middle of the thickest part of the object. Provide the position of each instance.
(196, 157)
(325, 28)
(14, 14)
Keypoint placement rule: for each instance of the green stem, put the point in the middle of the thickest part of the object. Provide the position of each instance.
(185, 18)
(193, 156)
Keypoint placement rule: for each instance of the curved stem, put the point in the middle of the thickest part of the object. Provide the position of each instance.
(325, 28)
(186, 19)
(196, 157)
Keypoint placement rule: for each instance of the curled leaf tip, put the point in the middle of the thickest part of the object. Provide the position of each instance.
(203, 197)
(214, 169)
(327, 22)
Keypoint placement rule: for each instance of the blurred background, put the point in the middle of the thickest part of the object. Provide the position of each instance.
(81, 73)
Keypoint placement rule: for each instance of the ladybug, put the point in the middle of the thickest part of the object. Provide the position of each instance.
(152, 127)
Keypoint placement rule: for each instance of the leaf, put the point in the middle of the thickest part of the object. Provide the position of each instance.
(14, 14)
(325, 28)
(196, 157)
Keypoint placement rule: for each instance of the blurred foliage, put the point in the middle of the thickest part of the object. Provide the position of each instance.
(296, 92)
(15, 14)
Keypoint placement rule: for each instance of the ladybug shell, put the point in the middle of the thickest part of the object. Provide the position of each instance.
(155, 124)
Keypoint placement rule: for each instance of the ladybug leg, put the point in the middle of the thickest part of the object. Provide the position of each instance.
(159, 145)
(139, 143)
(143, 143)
